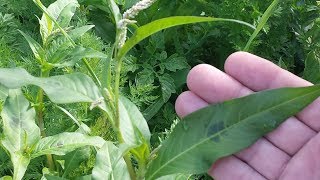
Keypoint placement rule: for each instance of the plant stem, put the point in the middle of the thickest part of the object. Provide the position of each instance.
(116, 93)
(40, 96)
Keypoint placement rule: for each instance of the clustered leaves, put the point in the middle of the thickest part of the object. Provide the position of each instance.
(127, 151)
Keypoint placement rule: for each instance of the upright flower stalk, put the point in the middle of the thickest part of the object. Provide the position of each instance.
(122, 28)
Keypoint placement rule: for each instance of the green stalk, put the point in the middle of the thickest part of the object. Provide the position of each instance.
(266, 15)
(127, 158)
(40, 96)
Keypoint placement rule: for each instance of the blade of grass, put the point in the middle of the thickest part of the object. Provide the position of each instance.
(266, 15)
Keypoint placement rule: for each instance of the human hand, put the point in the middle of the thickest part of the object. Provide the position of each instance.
(291, 152)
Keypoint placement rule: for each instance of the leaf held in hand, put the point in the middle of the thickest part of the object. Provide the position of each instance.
(226, 128)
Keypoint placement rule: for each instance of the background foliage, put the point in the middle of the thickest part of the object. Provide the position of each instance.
(154, 72)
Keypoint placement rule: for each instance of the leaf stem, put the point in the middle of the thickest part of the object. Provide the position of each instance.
(267, 14)
(40, 108)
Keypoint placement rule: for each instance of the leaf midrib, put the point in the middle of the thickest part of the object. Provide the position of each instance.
(216, 134)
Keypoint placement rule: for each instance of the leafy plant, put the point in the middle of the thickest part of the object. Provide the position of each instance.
(194, 144)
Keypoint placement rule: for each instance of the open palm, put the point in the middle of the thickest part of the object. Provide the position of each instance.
(291, 152)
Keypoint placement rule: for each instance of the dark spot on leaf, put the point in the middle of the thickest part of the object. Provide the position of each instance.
(216, 127)
(216, 138)
(59, 144)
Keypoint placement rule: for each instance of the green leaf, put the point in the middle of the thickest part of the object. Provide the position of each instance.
(266, 15)
(158, 25)
(167, 86)
(312, 68)
(66, 13)
(115, 10)
(20, 131)
(36, 48)
(62, 89)
(110, 164)
(134, 129)
(64, 143)
(133, 126)
(226, 128)
(3, 92)
(6, 178)
(69, 88)
(153, 109)
(71, 57)
(78, 32)
(174, 63)
(60, 11)
(74, 159)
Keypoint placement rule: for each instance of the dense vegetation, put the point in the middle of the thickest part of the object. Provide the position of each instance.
(153, 73)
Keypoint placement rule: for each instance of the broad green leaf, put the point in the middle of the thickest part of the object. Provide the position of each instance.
(158, 25)
(134, 129)
(266, 15)
(78, 32)
(74, 159)
(167, 86)
(63, 143)
(312, 68)
(110, 164)
(3, 92)
(226, 128)
(36, 48)
(133, 126)
(71, 57)
(174, 63)
(67, 13)
(20, 131)
(69, 88)
(60, 7)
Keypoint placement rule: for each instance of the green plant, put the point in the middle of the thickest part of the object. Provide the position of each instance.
(131, 156)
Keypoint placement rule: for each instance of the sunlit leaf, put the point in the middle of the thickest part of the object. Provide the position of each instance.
(134, 129)
(110, 164)
(20, 131)
(63, 143)
(68, 88)
(133, 126)
(61, 11)
(3, 92)
(226, 128)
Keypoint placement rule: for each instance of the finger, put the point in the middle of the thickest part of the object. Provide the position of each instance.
(214, 86)
(225, 168)
(188, 102)
(230, 167)
(259, 74)
(306, 163)
(265, 158)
